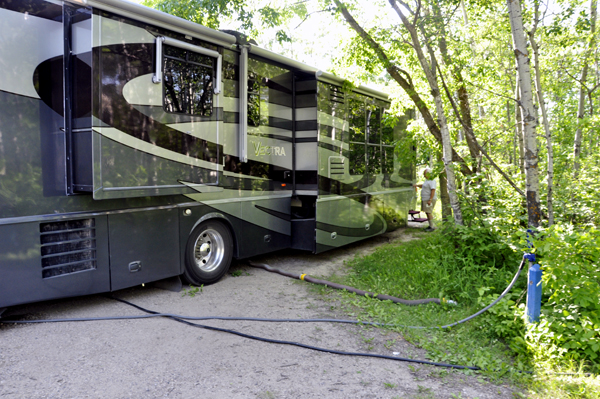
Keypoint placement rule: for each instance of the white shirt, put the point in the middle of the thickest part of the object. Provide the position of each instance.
(428, 185)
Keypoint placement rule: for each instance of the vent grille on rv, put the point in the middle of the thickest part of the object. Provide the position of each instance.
(336, 166)
(68, 247)
(336, 94)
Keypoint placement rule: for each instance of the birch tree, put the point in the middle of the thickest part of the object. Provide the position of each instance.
(429, 69)
(528, 113)
(461, 91)
(583, 92)
(542, 105)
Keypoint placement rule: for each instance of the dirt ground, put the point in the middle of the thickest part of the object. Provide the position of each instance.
(155, 358)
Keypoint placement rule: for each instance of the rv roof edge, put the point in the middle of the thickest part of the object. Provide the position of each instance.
(321, 75)
(268, 54)
(188, 27)
(143, 12)
(331, 78)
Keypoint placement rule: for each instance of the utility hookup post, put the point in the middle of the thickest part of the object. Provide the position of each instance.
(534, 290)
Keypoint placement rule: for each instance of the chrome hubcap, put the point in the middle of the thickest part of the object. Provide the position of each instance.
(209, 250)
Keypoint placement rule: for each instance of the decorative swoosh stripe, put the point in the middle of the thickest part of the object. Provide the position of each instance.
(307, 125)
(378, 226)
(306, 140)
(36, 8)
(334, 148)
(159, 114)
(130, 141)
(285, 216)
(333, 186)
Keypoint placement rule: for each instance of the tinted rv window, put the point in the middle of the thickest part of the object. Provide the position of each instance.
(388, 159)
(373, 119)
(356, 113)
(253, 99)
(388, 122)
(188, 82)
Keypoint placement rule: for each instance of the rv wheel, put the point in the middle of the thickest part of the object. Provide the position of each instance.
(208, 253)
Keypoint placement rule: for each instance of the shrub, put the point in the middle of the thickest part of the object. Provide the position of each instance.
(569, 327)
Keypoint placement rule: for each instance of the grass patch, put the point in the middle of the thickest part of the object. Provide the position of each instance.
(471, 267)
(429, 268)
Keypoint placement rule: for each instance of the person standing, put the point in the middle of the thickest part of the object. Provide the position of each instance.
(428, 197)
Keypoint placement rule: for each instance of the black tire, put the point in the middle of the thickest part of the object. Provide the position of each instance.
(208, 253)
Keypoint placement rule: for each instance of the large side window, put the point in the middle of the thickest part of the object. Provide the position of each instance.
(374, 139)
(356, 116)
(387, 140)
(188, 81)
(253, 98)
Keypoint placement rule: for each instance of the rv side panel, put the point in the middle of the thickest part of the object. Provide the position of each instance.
(52, 259)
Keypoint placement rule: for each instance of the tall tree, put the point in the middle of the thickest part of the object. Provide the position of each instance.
(528, 112)
(457, 74)
(583, 91)
(542, 105)
(429, 68)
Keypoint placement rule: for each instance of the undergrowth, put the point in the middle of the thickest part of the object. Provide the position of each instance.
(472, 266)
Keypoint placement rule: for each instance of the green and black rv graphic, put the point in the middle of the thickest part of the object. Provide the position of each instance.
(137, 146)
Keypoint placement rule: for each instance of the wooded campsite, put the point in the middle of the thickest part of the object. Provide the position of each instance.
(505, 96)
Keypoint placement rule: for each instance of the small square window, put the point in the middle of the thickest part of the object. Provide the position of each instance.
(188, 82)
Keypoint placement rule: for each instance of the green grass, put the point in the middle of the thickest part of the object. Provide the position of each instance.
(428, 268)
(444, 265)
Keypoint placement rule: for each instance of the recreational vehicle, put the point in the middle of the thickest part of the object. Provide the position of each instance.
(137, 146)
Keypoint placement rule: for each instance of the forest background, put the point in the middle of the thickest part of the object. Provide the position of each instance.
(506, 95)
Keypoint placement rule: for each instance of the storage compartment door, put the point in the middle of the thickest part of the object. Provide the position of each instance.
(144, 247)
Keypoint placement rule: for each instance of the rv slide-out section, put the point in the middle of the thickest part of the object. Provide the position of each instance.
(136, 146)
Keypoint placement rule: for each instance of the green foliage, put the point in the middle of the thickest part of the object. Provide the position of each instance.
(569, 325)
(204, 12)
(238, 273)
(472, 266)
(442, 266)
(577, 200)
(212, 13)
(192, 291)
(454, 265)
(571, 383)
(505, 319)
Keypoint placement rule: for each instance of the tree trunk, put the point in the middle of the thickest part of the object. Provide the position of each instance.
(542, 105)
(583, 90)
(512, 151)
(430, 73)
(519, 127)
(580, 116)
(529, 120)
(444, 197)
(463, 94)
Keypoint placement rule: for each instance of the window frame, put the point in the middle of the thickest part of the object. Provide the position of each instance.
(159, 59)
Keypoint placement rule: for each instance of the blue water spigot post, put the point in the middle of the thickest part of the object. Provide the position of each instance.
(534, 290)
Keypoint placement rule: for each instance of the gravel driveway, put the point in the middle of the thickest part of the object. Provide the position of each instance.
(155, 358)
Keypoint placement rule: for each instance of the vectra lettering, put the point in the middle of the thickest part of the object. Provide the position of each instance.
(261, 150)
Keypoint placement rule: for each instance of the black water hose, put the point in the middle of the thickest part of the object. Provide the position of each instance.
(368, 294)
(182, 319)
(305, 346)
(259, 319)
(512, 283)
